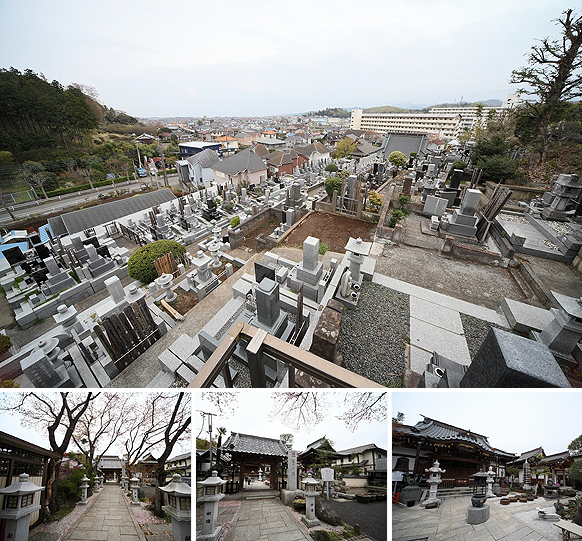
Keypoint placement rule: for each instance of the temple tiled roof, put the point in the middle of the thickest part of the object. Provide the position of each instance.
(439, 431)
(244, 443)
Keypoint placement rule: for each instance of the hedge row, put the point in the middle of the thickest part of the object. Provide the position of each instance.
(81, 187)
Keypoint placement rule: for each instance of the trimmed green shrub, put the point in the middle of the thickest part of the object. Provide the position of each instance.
(332, 168)
(5, 343)
(235, 222)
(141, 263)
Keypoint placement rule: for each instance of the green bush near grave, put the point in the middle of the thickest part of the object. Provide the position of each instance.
(5, 343)
(141, 263)
(235, 222)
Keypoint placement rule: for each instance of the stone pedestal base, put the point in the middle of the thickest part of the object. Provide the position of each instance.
(210, 536)
(478, 515)
(310, 523)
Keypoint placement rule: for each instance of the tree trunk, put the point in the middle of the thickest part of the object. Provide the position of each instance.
(160, 481)
(51, 502)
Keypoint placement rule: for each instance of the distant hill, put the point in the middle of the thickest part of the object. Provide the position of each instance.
(333, 112)
(386, 109)
(391, 109)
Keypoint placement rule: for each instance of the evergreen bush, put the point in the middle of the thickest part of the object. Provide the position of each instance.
(141, 263)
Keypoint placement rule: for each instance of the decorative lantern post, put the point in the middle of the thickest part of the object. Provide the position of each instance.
(489, 481)
(96, 484)
(211, 495)
(102, 478)
(479, 511)
(84, 488)
(260, 474)
(434, 480)
(179, 507)
(18, 507)
(123, 483)
(134, 491)
(310, 519)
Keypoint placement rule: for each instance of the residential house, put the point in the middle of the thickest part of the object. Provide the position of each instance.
(295, 140)
(316, 153)
(194, 147)
(181, 464)
(282, 162)
(261, 151)
(244, 167)
(145, 139)
(229, 144)
(246, 139)
(407, 143)
(365, 457)
(318, 454)
(197, 169)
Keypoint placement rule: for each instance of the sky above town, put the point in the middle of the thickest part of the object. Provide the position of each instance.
(259, 58)
(513, 421)
(252, 415)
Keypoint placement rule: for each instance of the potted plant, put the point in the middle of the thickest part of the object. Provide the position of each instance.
(299, 504)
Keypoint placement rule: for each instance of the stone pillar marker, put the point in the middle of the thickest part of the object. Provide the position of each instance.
(179, 506)
(84, 488)
(18, 507)
(292, 470)
(310, 493)
(434, 480)
(212, 494)
(526, 477)
(134, 491)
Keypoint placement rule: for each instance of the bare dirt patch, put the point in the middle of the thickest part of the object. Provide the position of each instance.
(333, 230)
(185, 301)
(264, 228)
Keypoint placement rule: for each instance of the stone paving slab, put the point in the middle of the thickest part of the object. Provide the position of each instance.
(432, 338)
(432, 313)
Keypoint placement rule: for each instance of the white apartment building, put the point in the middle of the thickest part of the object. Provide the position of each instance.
(448, 122)
(446, 125)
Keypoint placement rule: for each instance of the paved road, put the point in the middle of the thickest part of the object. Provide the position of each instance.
(372, 517)
(26, 210)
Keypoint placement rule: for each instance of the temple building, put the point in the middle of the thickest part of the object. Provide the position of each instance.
(460, 452)
(544, 467)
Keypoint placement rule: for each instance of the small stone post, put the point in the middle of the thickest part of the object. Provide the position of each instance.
(292, 470)
(434, 480)
(134, 491)
(310, 518)
(179, 507)
(84, 488)
(211, 495)
(18, 507)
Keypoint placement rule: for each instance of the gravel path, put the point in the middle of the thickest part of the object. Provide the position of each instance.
(373, 338)
(475, 332)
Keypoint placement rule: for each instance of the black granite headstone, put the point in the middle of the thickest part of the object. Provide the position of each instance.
(263, 271)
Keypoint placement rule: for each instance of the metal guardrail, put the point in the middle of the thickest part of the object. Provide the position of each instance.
(295, 358)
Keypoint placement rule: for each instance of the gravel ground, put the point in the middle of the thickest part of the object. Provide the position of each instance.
(226, 513)
(373, 338)
(142, 515)
(475, 332)
(372, 517)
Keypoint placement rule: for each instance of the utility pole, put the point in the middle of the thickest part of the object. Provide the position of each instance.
(210, 415)
(163, 162)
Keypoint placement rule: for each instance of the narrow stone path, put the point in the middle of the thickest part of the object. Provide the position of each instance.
(266, 520)
(108, 519)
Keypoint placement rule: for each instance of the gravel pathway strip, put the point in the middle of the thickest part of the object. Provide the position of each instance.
(373, 338)
(142, 515)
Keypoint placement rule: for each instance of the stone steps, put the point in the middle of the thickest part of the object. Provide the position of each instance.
(261, 495)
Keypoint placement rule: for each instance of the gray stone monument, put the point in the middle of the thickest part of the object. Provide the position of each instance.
(292, 470)
(434, 480)
(509, 360)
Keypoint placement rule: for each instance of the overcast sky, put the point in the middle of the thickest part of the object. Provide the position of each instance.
(513, 421)
(256, 58)
(252, 417)
(16, 425)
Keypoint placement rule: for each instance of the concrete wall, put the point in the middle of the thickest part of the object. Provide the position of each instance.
(520, 193)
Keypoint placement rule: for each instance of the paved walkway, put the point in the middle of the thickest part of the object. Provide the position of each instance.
(266, 520)
(108, 519)
(513, 522)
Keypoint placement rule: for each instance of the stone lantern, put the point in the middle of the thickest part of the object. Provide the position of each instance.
(434, 480)
(123, 483)
(96, 484)
(490, 480)
(310, 493)
(18, 507)
(179, 498)
(165, 282)
(134, 491)
(479, 511)
(357, 251)
(211, 495)
(84, 488)
(102, 479)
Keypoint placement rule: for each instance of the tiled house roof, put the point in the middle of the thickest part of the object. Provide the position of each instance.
(246, 160)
